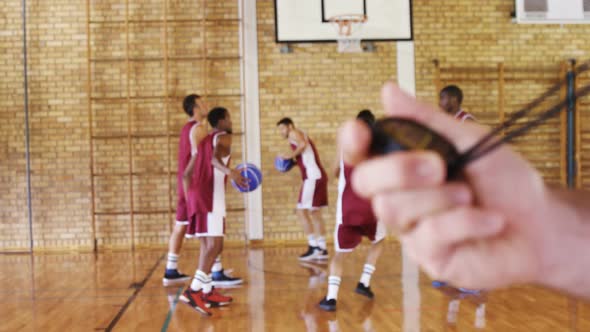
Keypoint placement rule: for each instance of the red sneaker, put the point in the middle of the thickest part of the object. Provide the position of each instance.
(216, 299)
(196, 300)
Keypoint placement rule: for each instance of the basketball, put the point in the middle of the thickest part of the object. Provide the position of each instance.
(252, 174)
(284, 165)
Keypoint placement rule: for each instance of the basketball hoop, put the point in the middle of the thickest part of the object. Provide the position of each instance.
(348, 26)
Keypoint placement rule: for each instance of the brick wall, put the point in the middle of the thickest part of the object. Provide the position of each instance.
(318, 88)
(14, 226)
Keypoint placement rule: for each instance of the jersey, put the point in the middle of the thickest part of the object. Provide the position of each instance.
(209, 195)
(309, 161)
(462, 116)
(351, 208)
(186, 149)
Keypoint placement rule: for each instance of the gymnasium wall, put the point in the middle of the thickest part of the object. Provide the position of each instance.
(135, 131)
(319, 89)
(477, 36)
(14, 226)
(316, 86)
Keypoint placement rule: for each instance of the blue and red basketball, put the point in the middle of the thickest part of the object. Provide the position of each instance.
(253, 176)
(283, 165)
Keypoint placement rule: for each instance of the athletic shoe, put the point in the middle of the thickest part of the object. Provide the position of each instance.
(310, 254)
(174, 278)
(321, 254)
(216, 299)
(220, 279)
(196, 301)
(366, 291)
(328, 305)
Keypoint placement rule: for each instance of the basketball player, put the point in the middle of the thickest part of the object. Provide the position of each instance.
(206, 208)
(314, 190)
(191, 134)
(354, 219)
(450, 99)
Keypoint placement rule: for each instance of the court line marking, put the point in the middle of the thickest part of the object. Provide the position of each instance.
(138, 288)
(171, 311)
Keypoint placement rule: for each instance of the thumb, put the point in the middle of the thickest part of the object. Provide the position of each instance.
(354, 139)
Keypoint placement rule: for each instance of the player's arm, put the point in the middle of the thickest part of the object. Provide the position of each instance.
(299, 139)
(222, 150)
(336, 165)
(198, 134)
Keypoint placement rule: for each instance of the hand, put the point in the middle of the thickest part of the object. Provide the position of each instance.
(286, 156)
(237, 177)
(495, 228)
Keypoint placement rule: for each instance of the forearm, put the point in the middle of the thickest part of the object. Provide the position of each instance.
(566, 261)
(220, 166)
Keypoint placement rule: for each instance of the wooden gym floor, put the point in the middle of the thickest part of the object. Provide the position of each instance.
(122, 291)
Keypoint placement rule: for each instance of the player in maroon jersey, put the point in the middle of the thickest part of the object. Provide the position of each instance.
(190, 135)
(314, 190)
(206, 207)
(354, 219)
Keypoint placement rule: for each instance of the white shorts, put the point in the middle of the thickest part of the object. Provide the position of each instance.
(213, 226)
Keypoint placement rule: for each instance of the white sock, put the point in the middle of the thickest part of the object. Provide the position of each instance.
(217, 265)
(480, 316)
(172, 262)
(322, 242)
(333, 326)
(333, 286)
(368, 270)
(453, 310)
(208, 285)
(311, 241)
(199, 280)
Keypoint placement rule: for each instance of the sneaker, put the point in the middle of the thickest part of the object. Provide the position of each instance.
(321, 254)
(363, 290)
(437, 283)
(328, 305)
(216, 299)
(174, 278)
(310, 254)
(469, 291)
(196, 301)
(220, 279)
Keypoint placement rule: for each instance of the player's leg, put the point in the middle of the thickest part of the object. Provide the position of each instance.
(172, 276)
(220, 277)
(346, 238)
(193, 295)
(305, 219)
(376, 234)
(319, 201)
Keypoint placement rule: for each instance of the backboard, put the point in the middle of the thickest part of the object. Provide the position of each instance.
(303, 21)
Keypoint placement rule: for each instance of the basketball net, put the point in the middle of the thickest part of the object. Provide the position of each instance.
(348, 28)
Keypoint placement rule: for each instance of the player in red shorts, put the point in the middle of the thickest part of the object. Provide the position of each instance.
(450, 99)
(354, 219)
(190, 136)
(206, 207)
(314, 190)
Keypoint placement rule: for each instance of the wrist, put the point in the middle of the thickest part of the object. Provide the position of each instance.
(564, 262)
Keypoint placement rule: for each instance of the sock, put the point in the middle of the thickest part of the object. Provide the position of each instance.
(333, 326)
(322, 242)
(208, 285)
(333, 285)
(311, 241)
(368, 270)
(217, 265)
(172, 262)
(453, 310)
(199, 280)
